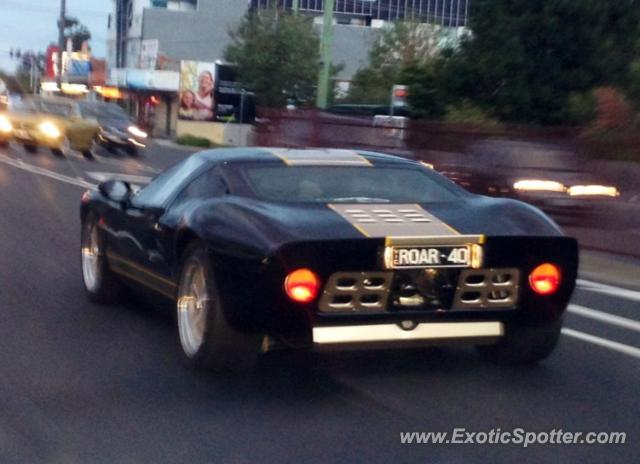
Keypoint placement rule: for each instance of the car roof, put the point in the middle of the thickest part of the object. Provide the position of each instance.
(301, 157)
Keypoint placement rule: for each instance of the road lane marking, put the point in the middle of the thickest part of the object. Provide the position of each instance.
(46, 172)
(608, 290)
(604, 317)
(615, 346)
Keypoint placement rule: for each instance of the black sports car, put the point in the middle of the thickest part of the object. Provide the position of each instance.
(263, 248)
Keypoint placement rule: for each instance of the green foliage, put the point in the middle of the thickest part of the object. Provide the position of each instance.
(277, 56)
(77, 32)
(526, 59)
(580, 108)
(396, 54)
(468, 113)
(194, 141)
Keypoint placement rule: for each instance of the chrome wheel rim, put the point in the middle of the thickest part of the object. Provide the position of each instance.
(91, 257)
(193, 305)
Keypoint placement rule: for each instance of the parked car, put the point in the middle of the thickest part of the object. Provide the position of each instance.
(263, 248)
(54, 123)
(117, 128)
(548, 176)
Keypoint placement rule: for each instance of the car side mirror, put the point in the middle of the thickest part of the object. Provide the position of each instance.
(116, 190)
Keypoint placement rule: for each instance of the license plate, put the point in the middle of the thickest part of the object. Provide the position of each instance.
(429, 256)
(21, 134)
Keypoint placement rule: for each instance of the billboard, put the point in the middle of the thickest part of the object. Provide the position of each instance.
(197, 101)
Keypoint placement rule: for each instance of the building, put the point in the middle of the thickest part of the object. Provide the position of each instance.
(147, 39)
(448, 13)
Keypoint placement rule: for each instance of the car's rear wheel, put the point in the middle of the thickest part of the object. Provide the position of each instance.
(100, 282)
(524, 345)
(30, 148)
(207, 340)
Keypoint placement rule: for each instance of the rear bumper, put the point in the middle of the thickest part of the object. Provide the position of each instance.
(385, 335)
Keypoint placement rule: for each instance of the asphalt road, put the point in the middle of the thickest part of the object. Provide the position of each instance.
(82, 383)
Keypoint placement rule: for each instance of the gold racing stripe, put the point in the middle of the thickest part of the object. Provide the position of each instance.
(141, 275)
(393, 220)
(320, 157)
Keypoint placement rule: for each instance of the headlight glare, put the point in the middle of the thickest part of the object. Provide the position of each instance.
(133, 130)
(5, 125)
(50, 130)
(539, 185)
(595, 190)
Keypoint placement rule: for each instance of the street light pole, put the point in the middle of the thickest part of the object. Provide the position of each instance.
(61, 24)
(326, 44)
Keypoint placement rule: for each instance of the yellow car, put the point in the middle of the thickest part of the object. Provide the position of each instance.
(53, 123)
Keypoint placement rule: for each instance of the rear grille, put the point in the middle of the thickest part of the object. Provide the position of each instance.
(487, 288)
(421, 290)
(356, 291)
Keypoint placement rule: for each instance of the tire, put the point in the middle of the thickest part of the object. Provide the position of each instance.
(524, 345)
(4, 144)
(88, 154)
(30, 148)
(132, 151)
(100, 283)
(207, 340)
(63, 150)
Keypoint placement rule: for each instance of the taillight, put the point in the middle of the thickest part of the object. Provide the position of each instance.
(545, 279)
(302, 285)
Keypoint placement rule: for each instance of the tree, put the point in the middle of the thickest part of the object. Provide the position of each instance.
(277, 57)
(399, 50)
(77, 32)
(525, 60)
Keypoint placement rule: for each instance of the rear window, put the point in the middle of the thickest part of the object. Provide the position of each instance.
(333, 184)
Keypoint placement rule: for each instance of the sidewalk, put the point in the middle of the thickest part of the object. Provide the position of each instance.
(171, 144)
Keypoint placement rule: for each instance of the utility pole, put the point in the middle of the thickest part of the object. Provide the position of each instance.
(326, 44)
(61, 23)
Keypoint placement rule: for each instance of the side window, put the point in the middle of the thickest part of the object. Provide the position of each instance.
(163, 187)
(208, 185)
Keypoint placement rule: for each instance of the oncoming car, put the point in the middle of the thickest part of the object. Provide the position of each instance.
(545, 175)
(53, 123)
(117, 130)
(258, 249)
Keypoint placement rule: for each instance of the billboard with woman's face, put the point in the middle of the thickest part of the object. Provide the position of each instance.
(197, 98)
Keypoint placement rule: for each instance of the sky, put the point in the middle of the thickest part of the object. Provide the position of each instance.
(32, 25)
